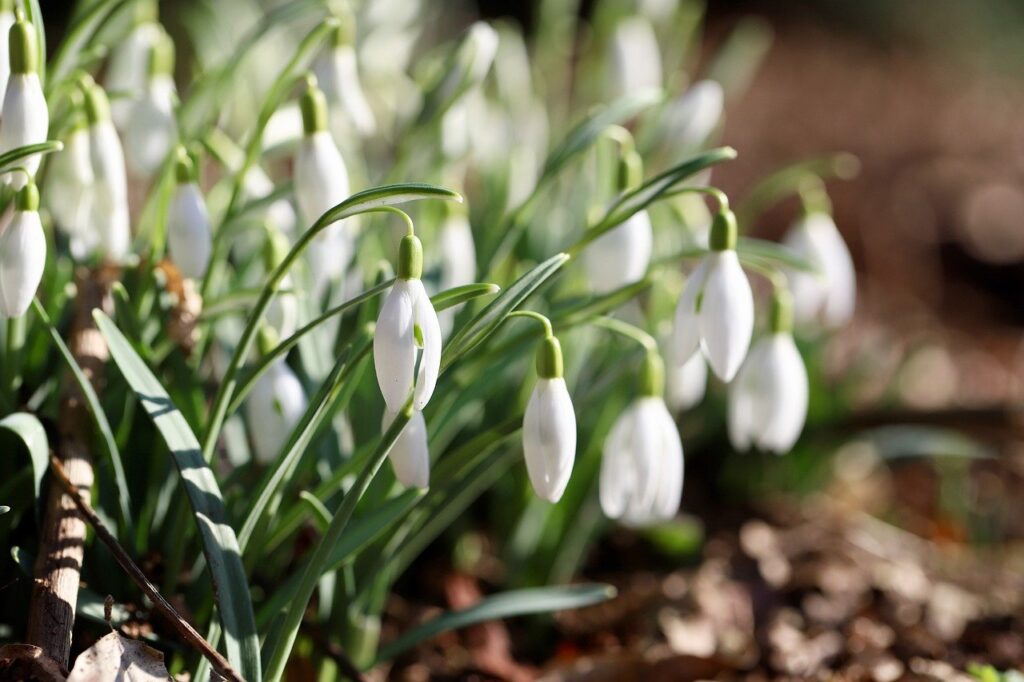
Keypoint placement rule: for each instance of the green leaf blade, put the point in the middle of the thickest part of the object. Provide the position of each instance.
(29, 430)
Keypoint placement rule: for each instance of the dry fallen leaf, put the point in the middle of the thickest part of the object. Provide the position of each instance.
(115, 657)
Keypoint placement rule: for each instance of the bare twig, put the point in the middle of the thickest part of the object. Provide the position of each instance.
(186, 631)
(62, 541)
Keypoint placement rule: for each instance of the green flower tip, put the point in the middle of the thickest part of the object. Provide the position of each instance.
(7, 6)
(652, 379)
(184, 168)
(161, 56)
(314, 107)
(782, 311)
(22, 49)
(97, 106)
(145, 12)
(410, 258)
(630, 171)
(723, 230)
(344, 32)
(27, 198)
(275, 249)
(549, 359)
(267, 339)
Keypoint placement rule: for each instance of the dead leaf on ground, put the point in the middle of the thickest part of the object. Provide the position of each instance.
(115, 657)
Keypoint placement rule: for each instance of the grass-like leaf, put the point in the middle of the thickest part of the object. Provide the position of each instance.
(763, 252)
(99, 417)
(9, 160)
(220, 545)
(484, 324)
(27, 428)
(77, 38)
(504, 605)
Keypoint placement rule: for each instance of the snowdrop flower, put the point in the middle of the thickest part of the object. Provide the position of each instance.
(280, 214)
(274, 408)
(831, 293)
(7, 20)
(635, 64)
(641, 480)
(152, 128)
(685, 382)
(716, 309)
(549, 426)
(129, 60)
(768, 400)
(69, 177)
(25, 119)
(338, 74)
(458, 258)
(621, 255)
(22, 253)
(189, 236)
(321, 183)
(109, 222)
(694, 115)
(407, 325)
(410, 457)
(283, 312)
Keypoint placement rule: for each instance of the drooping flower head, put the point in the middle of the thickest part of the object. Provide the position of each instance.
(129, 60)
(768, 400)
(321, 183)
(635, 59)
(189, 236)
(25, 118)
(109, 219)
(622, 255)
(716, 309)
(641, 480)
(693, 116)
(338, 74)
(69, 179)
(407, 335)
(549, 425)
(275, 406)
(151, 129)
(22, 253)
(829, 295)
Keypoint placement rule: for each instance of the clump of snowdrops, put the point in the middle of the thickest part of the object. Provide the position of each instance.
(338, 244)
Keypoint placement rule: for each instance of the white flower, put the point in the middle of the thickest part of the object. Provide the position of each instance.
(274, 408)
(321, 182)
(338, 74)
(22, 254)
(458, 259)
(152, 129)
(395, 345)
(189, 236)
(694, 115)
(635, 64)
(641, 478)
(6, 22)
(25, 118)
(280, 214)
(831, 293)
(685, 382)
(621, 255)
(409, 455)
(549, 438)
(768, 400)
(283, 312)
(109, 218)
(128, 64)
(68, 179)
(715, 313)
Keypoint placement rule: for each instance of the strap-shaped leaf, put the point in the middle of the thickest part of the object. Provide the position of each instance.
(484, 324)
(77, 38)
(761, 252)
(10, 159)
(27, 428)
(220, 545)
(504, 605)
(99, 417)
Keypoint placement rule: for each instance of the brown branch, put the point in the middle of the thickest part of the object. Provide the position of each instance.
(186, 631)
(62, 541)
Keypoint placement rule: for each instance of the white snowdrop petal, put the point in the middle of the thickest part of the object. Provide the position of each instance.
(786, 393)
(744, 398)
(686, 324)
(109, 217)
(837, 265)
(127, 69)
(458, 252)
(549, 438)
(621, 255)
(430, 364)
(321, 178)
(337, 75)
(189, 240)
(693, 116)
(25, 120)
(635, 58)
(646, 443)
(410, 456)
(617, 478)
(808, 289)
(283, 311)
(22, 259)
(670, 477)
(686, 382)
(726, 317)
(394, 346)
(68, 177)
(152, 129)
(274, 407)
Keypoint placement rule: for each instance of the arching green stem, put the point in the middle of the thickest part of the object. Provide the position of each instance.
(787, 180)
